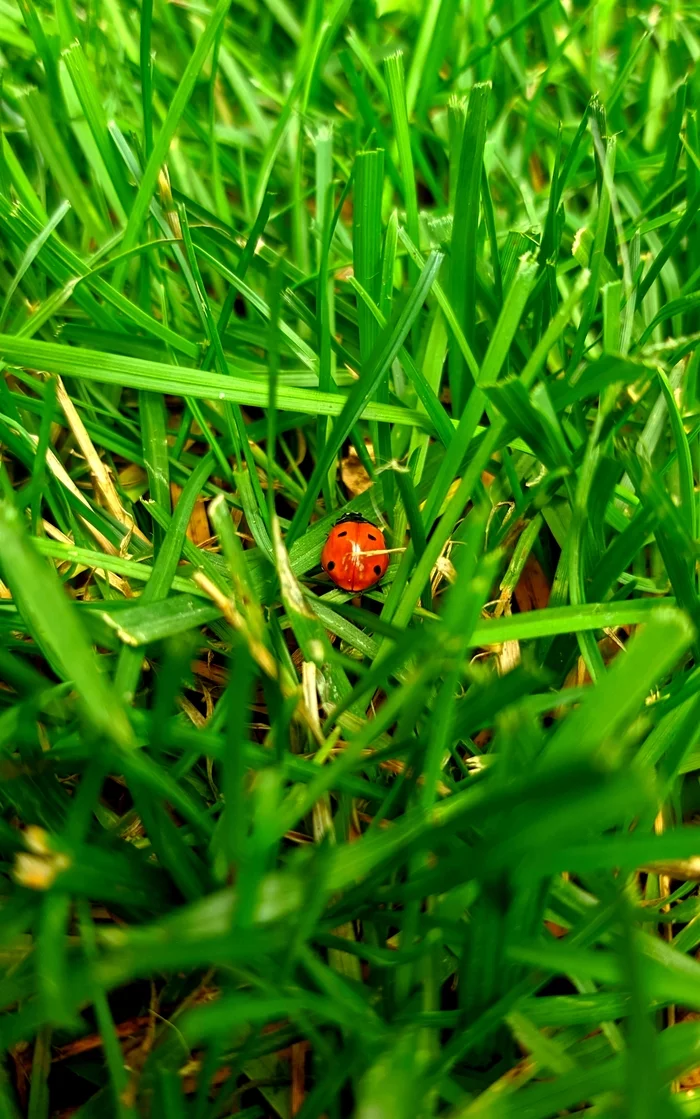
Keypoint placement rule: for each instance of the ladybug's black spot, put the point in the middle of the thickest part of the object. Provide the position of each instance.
(370, 537)
(342, 533)
(377, 569)
(330, 565)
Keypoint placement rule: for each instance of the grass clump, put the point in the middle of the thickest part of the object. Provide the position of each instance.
(269, 848)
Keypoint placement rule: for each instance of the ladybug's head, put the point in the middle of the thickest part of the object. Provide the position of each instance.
(354, 518)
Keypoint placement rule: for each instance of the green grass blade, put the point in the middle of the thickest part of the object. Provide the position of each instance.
(58, 632)
(464, 234)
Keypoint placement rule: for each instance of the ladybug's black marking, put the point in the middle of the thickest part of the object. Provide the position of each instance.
(355, 518)
(341, 534)
(377, 569)
(331, 565)
(370, 536)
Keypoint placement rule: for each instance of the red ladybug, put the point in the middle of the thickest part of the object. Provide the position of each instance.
(353, 554)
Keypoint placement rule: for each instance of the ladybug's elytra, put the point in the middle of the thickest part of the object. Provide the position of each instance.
(354, 553)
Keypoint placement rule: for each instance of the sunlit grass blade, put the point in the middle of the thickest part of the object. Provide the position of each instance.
(464, 233)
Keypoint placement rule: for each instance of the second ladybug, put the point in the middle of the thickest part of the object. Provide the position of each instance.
(354, 554)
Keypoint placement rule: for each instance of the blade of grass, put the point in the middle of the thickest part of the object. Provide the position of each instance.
(464, 235)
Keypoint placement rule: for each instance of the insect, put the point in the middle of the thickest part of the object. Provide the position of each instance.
(353, 554)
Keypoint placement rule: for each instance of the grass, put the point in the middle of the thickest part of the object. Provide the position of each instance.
(267, 849)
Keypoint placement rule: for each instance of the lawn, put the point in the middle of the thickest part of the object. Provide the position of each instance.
(280, 843)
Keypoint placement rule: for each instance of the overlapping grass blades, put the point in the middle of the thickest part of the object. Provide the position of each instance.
(268, 849)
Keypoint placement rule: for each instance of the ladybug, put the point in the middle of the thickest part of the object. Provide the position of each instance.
(354, 554)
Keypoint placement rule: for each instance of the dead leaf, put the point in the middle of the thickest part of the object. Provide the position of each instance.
(198, 530)
(61, 474)
(507, 654)
(610, 647)
(355, 478)
(537, 175)
(101, 475)
(532, 591)
(298, 1063)
(212, 672)
(114, 579)
(191, 711)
